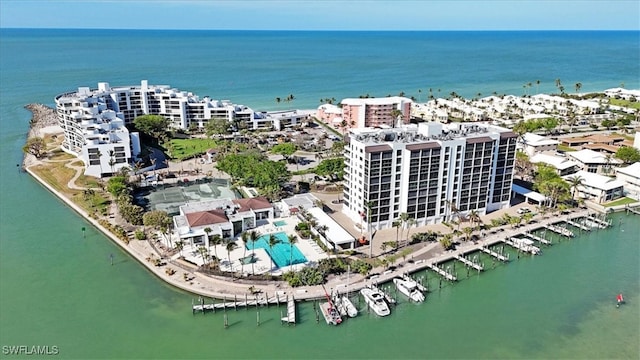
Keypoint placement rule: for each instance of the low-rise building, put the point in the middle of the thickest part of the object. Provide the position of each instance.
(630, 176)
(562, 165)
(532, 144)
(593, 161)
(596, 187)
(224, 217)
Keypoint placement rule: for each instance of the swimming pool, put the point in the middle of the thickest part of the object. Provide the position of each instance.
(281, 253)
(280, 223)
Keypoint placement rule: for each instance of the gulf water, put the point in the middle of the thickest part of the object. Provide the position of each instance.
(58, 289)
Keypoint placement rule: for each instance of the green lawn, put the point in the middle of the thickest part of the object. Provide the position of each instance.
(181, 149)
(623, 201)
(565, 148)
(625, 103)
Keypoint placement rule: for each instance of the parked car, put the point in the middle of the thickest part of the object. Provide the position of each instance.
(524, 211)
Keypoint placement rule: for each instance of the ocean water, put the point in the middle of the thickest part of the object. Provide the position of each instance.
(59, 289)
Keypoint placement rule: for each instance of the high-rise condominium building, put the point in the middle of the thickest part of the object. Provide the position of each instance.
(431, 171)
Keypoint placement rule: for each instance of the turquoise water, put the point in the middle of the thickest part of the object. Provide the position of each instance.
(58, 288)
(282, 252)
(280, 223)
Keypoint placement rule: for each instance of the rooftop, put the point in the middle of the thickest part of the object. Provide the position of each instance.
(597, 181)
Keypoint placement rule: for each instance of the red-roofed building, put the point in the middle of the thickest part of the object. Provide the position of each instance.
(224, 217)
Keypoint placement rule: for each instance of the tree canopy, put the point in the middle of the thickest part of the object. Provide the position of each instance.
(35, 146)
(254, 169)
(152, 125)
(157, 219)
(628, 154)
(284, 149)
(220, 126)
(331, 166)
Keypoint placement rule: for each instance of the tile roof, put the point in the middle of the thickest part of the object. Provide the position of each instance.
(256, 203)
(209, 217)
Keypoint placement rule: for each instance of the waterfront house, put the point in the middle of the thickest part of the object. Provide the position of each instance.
(225, 217)
(630, 176)
(596, 187)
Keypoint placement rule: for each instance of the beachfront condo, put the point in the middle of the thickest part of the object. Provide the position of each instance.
(433, 172)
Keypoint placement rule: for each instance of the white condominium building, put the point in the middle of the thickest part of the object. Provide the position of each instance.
(95, 133)
(431, 171)
(94, 120)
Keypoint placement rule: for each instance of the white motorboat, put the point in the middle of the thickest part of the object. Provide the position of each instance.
(346, 307)
(418, 285)
(409, 288)
(375, 299)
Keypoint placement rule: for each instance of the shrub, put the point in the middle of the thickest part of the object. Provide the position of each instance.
(140, 235)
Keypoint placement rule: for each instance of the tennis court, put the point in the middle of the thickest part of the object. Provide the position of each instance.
(169, 197)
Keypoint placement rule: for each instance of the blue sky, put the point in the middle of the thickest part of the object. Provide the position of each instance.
(324, 14)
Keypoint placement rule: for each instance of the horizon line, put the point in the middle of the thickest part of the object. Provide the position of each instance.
(320, 30)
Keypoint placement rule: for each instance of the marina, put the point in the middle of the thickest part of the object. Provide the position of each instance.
(559, 230)
(442, 272)
(524, 245)
(599, 222)
(472, 264)
(578, 225)
(537, 238)
(494, 254)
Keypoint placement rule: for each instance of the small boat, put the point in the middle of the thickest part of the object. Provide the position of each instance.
(330, 313)
(375, 299)
(418, 285)
(346, 307)
(409, 288)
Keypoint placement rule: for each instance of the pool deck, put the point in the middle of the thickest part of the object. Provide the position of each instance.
(311, 251)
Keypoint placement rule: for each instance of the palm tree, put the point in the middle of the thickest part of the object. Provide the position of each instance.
(446, 241)
(578, 87)
(99, 155)
(230, 246)
(245, 239)
(397, 223)
(204, 253)
(474, 217)
(208, 231)
(253, 237)
(369, 205)
(574, 182)
(537, 86)
(273, 241)
(112, 161)
(292, 241)
(468, 230)
(215, 241)
(410, 222)
(180, 246)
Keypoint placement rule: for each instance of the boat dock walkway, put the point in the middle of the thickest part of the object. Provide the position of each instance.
(603, 224)
(468, 262)
(442, 272)
(579, 226)
(560, 230)
(520, 245)
(248, 302)
(537, 238)
(291, 312)
(632, 210)
(494, 254)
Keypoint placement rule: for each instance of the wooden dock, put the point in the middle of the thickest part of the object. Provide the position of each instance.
(468, 262)
(602, 224)
(494, 254)
(537, 238)
(441, 272)
(523, 245)
(256, 301)
(579, 226)
(560, 230)
(291, 312)
(632, 210)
